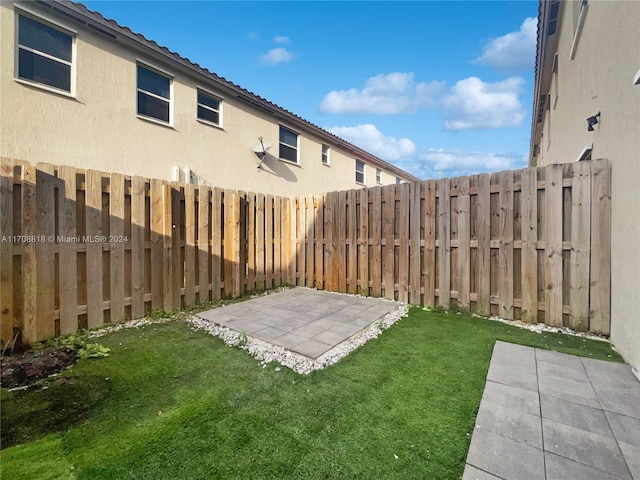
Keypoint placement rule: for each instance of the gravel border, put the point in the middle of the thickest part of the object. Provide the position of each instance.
(267, 353)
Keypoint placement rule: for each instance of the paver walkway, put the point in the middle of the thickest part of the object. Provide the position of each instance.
(309, 322)
(548, 415)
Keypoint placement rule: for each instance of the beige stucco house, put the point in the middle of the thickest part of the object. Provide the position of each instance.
(587, 106)
(78, 89)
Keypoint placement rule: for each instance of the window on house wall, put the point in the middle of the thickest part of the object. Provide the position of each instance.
(325, 155)
(289, 148)
(360, 171)
(398, 180)
(154, 94)
(44, 54)
(209, 108)
(378, 176)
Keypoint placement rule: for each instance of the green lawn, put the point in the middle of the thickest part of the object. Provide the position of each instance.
(173, 403)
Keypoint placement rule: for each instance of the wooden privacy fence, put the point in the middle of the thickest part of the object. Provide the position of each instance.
(80, 247)
(530, 244)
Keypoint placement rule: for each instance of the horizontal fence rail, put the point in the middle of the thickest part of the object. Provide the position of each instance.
(80, 248)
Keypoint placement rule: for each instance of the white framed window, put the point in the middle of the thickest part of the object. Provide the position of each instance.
(209, 108)
(360, 177)
(154, 90)
(45, 54)
(398, 180)
(326, 160)
(289, 145)
(378, 176)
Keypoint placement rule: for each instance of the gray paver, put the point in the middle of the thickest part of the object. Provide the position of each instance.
(626, 429)
(560, 468)
(473, 473)
(504, 457)
(576, 415)
(593, 450)
(590, 421)
(289, 340)
(270, 333)
(312, 348)
(514, 397)
(511, 423)
(631, 455)
(569, 389)
(506, 374)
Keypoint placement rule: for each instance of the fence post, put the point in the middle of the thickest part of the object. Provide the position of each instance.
(7, 311)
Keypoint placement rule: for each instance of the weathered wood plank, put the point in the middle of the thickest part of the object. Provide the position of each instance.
(177, 240)
(190, 246)
(352, 238)
(269, 242)
(251, 241)
(310, 245)
(600, 293)
(277, 241)
(363, 244)
(553, 247)
(505, 251)
(157, 232)
(528, 251)
(167, 248)
(302, 241)
(429, 253)
(483, 253)
(7, 311)
(444, 241)
(260, 242)
(580, 243)
(342, 241)
(217, 255)
(375, 249)
(28, 260)
(138, 200)
(116, 247)
(93, 215)
(319, 242)
(415, 259)
(403, 234)
(329, 273)
(389, 195)
(45, 250)
(464, 243)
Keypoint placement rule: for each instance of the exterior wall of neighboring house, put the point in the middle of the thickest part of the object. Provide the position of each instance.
(598, 73)
(97, 126)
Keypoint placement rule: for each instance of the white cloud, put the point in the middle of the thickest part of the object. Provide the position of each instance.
(441, 163)
(276, 56)
(281, 39)
(388, 94)
(512, 52)
(369, 138)
(253, 35)
(472, 104)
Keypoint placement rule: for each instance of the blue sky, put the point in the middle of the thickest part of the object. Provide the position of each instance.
(437, 88)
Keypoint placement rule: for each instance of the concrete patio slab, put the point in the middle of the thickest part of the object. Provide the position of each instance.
(305, 321)
(586, 413)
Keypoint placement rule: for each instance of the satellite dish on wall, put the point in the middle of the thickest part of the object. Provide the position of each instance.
(260, 149)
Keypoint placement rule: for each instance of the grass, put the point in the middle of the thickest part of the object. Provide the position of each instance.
(174, 403)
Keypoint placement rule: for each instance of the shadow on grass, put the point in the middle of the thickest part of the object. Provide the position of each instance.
(52, 407)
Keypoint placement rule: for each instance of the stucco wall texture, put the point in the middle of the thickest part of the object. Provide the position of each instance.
(98, 127)
(600, 79)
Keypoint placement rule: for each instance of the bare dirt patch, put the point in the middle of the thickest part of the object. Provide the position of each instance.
(23, 369)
